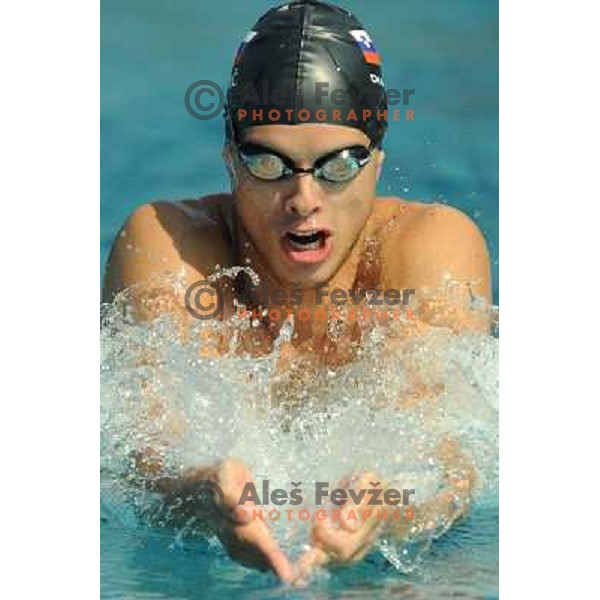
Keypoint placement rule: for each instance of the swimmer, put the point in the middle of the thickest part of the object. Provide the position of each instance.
(303, 213)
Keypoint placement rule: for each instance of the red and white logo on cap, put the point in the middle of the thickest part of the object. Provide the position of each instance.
(365, 43)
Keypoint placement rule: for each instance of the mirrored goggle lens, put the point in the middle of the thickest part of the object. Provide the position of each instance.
(265, 166)
(344, 166)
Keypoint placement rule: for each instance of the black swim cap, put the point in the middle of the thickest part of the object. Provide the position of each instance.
(307, 62)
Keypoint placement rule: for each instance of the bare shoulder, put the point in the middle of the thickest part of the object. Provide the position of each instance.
(424, 245)
(189, 237)
(395, 216)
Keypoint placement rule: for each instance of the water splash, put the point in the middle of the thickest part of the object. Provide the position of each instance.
(163, 393)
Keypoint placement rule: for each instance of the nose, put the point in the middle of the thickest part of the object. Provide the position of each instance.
(304, 198)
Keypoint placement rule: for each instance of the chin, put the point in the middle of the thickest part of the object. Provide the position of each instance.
(307, 277)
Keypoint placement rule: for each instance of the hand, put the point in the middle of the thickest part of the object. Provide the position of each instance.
(344, 541)
(248, 541)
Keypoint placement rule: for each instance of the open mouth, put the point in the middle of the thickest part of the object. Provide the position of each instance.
(307, 241)
(307, 246)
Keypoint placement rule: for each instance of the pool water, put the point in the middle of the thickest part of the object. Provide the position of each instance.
(148, 564)
(151, 148)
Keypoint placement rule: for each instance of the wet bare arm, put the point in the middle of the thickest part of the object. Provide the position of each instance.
(159, 241)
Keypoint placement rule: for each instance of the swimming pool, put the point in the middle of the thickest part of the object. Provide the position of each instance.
(149, 564)
(152, 148)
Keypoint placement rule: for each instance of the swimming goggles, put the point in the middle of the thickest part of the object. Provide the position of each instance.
(338, 166)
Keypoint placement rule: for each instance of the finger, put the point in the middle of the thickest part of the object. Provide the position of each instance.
(258, 535)
(354, 516)
(341, 543)
(250, 550)
(281, 565)
(337, 542)
(367, 544)
(307, 563)
(351, 518)
(359, 517)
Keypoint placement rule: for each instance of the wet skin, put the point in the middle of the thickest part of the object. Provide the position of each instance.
(388, 243)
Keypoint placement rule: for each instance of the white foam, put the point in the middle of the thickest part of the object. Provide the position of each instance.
(336, 422)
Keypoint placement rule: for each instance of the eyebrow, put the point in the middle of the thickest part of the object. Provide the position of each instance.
(255, 146)
(270, 150)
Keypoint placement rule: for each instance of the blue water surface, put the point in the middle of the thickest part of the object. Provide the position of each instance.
(152, 148)
(148, 564)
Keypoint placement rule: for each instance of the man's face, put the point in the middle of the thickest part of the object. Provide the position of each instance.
(279, 215)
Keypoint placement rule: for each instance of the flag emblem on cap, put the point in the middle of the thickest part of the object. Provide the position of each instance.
(365, 43)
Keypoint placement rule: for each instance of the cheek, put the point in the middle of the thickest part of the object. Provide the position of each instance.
(354, 209)
(257, 209)
(352, 223)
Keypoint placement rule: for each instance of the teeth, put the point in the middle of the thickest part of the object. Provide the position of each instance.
(304, 233)
(306, 240)
(303, 246)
